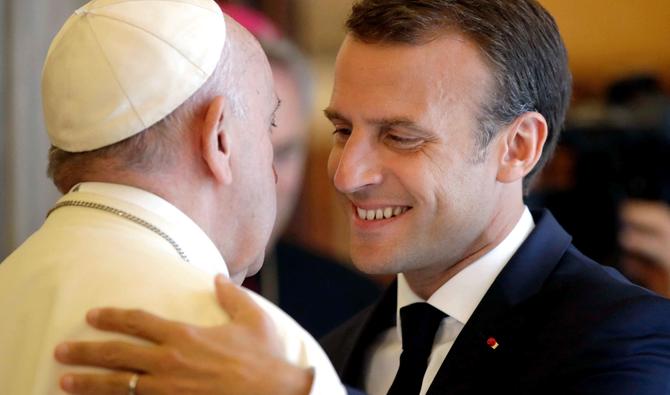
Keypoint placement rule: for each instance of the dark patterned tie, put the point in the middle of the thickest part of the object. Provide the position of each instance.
(419, 323)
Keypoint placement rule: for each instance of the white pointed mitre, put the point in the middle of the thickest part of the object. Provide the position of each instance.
(118, 66)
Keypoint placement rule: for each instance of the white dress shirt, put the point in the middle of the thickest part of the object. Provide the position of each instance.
(84, 257)
(458, 298)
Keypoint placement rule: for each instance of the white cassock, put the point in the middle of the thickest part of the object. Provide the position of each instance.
(85, 257)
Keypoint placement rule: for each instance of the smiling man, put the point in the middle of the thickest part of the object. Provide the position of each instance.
(443, 110)
(407, 162)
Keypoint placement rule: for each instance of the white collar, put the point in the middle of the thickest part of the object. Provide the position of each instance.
(460, 296)
(198, 247)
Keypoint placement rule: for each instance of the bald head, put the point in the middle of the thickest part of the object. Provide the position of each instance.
(240, 49)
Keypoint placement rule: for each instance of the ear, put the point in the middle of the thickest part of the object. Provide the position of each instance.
(522, 144)
(215, 141)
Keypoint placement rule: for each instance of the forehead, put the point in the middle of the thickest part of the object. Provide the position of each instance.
(386, 76)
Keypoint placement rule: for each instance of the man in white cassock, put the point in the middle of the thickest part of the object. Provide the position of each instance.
(159, 114)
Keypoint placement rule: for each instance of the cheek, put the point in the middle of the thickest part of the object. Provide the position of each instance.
(426, 180)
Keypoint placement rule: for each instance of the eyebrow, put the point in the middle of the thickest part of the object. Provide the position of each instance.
(391, 122)
(334, 115)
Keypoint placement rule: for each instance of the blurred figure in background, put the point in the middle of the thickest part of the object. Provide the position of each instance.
(315, 290)
(645, 239)
(644, 234)
(612, 168)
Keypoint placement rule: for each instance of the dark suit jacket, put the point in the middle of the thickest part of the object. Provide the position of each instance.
(319, 292)
(564, 324)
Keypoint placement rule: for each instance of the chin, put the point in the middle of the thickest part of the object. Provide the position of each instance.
(373, 263)
(256, 266)
(238, 278)
(246, 268)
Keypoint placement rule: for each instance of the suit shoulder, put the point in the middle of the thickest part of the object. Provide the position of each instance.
(602, 295)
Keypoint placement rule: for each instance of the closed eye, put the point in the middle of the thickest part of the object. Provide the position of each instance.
(341, 134)
(403, 142)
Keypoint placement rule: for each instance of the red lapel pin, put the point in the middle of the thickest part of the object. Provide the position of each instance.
(492, 342)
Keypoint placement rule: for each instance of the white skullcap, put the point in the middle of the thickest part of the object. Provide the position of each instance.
(118, 66)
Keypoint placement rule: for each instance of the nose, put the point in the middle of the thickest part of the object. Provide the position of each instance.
(355, 165)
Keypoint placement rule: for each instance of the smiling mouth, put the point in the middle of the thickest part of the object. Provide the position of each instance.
(380, 213)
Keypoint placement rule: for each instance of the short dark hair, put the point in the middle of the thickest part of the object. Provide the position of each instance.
(518, 38)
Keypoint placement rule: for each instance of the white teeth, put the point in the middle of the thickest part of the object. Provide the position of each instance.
(361, 213)
(380, 213)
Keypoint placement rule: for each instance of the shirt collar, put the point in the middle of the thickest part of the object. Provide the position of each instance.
(198, 247)
(460, 296)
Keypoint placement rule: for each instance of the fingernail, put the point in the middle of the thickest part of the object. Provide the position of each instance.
(67, 383)
(220, 279)
(62, 350)
(92, 315)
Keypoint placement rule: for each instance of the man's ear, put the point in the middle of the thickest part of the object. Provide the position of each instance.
(522, 144)
(216, 143)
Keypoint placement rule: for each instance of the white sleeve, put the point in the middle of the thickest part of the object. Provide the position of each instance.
(301, 349)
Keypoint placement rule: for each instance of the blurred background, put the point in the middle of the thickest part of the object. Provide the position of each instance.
(619, 55)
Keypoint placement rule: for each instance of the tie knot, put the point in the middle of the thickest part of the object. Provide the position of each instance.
(419, 323)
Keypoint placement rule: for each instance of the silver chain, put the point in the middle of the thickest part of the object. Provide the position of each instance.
(122, 214)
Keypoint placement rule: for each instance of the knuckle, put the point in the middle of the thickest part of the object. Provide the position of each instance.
(186, 332)
(109, 358)
(133, 322)
(172, 359)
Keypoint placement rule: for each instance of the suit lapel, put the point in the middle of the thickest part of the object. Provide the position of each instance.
(375, 320)
(496, 319)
